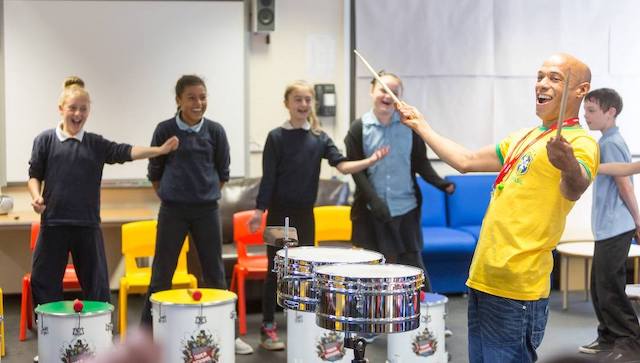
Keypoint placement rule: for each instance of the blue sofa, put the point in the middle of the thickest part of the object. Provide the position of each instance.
(450, 228)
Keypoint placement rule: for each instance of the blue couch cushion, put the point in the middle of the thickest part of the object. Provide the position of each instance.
(474, 230)
(434, 208)
(468, 204)
(447, 241)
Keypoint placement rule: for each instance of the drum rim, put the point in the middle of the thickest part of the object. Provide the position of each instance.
(110, 308)
(441, 301)
(196, 304)
(337, 265)
(279, 257)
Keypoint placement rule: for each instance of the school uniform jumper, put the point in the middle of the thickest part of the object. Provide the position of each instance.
(288, 188)
(71, 169)
(189, 189)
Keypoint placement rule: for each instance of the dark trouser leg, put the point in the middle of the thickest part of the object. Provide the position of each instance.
(172, 230)
(90, 262)
(304, 223)
(616, 316)
(207, 237)
(415, 259)
(49, 261)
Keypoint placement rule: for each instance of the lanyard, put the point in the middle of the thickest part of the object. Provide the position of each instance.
(513, 157)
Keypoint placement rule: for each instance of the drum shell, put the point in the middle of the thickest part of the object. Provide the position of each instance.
(404, 347)
(57, 332)
(305, 341)
(177, 325)
(368, 305)
(295, 287)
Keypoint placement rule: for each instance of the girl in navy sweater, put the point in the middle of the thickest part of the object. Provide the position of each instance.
(69, 162)
(290, 175)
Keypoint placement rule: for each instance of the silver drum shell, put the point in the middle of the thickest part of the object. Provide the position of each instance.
(368, 304)
(295, 287)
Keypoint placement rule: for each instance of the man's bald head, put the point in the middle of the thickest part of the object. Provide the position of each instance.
(550, 85)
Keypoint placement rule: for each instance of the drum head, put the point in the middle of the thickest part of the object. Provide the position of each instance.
(361, 271)
(431, 299)
(66, 308)
(331, 255)
(184, 297)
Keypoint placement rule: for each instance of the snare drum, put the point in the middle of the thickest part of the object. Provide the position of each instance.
(195, 331)
(426, 344)
(67, 336)
(368, 298)
(295, 283)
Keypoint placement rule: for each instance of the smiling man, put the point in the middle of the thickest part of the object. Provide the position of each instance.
(540, 177)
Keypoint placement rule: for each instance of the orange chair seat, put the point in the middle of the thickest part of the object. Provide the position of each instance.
(254, 264)
(70, 278)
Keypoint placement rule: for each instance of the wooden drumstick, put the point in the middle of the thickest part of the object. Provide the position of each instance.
(377, 77)
(563, 102)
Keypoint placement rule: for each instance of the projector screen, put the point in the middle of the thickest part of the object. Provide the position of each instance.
(130, 55)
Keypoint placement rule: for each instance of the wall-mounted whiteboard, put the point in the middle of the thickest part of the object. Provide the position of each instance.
(130, 54)
(470, 65)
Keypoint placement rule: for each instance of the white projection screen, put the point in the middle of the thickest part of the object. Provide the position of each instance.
(470, 65)
(130, 54)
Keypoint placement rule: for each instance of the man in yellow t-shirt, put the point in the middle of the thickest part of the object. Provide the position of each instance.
(541, 176)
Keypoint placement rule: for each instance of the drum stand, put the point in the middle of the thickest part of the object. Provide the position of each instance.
(358, 344)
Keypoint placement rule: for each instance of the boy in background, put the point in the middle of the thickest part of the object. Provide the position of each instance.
(614, 221)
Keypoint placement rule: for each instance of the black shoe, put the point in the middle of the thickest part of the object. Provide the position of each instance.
(622, 357)
(596, 347)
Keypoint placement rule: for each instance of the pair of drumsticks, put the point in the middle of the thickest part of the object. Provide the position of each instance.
(563, 101)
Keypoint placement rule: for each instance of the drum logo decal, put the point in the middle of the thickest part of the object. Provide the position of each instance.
(201, 348)
(77, 352)
(425, 344)
(330, 347)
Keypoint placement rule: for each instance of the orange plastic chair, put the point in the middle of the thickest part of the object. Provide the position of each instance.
(139, 241)
(69, 281)
(333, 223)
(248, 266)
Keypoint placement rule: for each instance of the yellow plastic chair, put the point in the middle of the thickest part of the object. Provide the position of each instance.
(1, 326)
(138, 241)
(333, 223)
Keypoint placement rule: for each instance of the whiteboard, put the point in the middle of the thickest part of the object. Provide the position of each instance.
(130, 55)
(470, 65)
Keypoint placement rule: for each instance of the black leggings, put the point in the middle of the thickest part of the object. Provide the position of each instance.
(202, 223)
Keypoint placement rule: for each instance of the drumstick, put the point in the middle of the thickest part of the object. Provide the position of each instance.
(377, 77)
(563, 102)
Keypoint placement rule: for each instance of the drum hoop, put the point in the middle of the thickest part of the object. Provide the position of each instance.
(345, 319)
(312, 265)
(210, 303)
(322, 282)
(278, 258)
(412, 289)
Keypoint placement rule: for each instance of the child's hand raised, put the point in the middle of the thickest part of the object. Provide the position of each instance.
(379, 154)
(170, 145)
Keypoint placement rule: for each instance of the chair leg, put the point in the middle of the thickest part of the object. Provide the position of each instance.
(123, 294)
(242, 308)
(24, 308)
(232, 286)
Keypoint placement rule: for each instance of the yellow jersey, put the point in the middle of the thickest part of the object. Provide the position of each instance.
(526, 216)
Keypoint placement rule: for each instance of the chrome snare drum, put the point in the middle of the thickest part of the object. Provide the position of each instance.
(368, 298)
(295, 281)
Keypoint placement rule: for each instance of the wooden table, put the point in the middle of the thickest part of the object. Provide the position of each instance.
(584, 250)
